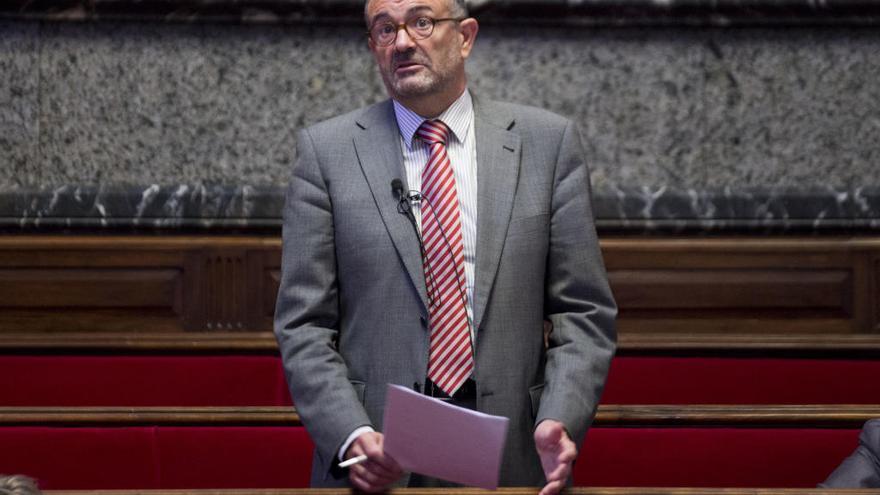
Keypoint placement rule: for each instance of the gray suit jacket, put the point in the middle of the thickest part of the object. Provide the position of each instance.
(351, 315)
(862, 468)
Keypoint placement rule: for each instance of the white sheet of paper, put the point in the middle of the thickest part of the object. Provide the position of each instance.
(430, 437)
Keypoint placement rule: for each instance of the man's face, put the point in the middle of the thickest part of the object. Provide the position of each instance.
(413, 69)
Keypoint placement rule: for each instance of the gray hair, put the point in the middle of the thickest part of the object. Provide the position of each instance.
(18, 485)
(457, 8)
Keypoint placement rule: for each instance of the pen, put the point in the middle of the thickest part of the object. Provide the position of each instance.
(354, 460)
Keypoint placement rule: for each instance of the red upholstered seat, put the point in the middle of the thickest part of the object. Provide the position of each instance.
(81, 458)
(280, 457)
(701, 380)
(239, 457)
(711, 457)
(158, 457)
(258, 381)
(186, 381)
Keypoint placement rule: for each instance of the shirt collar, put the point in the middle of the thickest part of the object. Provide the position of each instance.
(457, 117)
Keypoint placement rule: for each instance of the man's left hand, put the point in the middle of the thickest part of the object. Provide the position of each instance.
(557, 453)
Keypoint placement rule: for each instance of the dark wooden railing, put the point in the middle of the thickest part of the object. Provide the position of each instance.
(216, 292)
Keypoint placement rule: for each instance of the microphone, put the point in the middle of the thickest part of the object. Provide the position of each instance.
(397, 188)
(408, 196)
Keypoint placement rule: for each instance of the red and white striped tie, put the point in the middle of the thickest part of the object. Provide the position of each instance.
(451, 359)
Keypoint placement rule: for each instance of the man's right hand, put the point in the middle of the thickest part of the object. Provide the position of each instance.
(379, 471)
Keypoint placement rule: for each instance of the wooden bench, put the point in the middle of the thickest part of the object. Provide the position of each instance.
(809, 287)
(476, 491)
(183, 448)
(224, 379)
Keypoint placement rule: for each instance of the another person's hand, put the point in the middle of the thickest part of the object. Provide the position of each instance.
(379, 471)
(557, 453)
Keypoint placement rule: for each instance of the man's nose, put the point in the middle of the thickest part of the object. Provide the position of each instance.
(403, 42)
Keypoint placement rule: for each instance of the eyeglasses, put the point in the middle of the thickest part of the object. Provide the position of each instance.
(418, 28)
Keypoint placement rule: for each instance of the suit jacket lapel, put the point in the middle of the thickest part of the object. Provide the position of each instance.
(378, 150)
(498, 160)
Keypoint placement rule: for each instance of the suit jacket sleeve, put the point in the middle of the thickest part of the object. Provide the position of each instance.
(578, 300)
(862, 468)
(307, 310)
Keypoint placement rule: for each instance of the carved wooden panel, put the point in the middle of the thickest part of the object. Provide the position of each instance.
(84, 290)
(719, 291)
(739, 285)
(73, 287)
(129, 284)
(873, 297)
(271, 276)
(227, 292)
(224, 284)
(683, 286)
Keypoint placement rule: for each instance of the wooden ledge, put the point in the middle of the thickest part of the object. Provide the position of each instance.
(475, 491)
(141, 416)
(794, 345)
(264, 343)
(181, 342)
(679, 416)
(699, 415)
(127, 242)
(628, 243)
(687, 244)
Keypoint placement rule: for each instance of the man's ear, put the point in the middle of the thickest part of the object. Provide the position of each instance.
(468, 29)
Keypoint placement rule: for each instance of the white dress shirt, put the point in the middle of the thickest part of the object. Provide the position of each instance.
(462, 152)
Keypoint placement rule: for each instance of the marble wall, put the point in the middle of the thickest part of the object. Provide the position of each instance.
(684, 127)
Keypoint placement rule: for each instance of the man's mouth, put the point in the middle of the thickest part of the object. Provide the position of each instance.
(407, 65)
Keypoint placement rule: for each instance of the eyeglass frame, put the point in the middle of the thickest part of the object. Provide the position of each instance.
(403, 25)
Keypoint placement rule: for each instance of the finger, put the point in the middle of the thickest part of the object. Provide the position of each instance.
(390, 465)
(353, 451)
(377, 460)
(368, 483)
(560, 473)
(377, 474)
(379, 463)
(386, 462)
(358, 483)
(551, 488)
(364, 474)
(362, 486)
(381, 474)
(566, 452)
(568, 455)
(568, 446)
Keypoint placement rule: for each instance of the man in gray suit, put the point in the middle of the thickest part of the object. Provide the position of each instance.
(382, 260)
